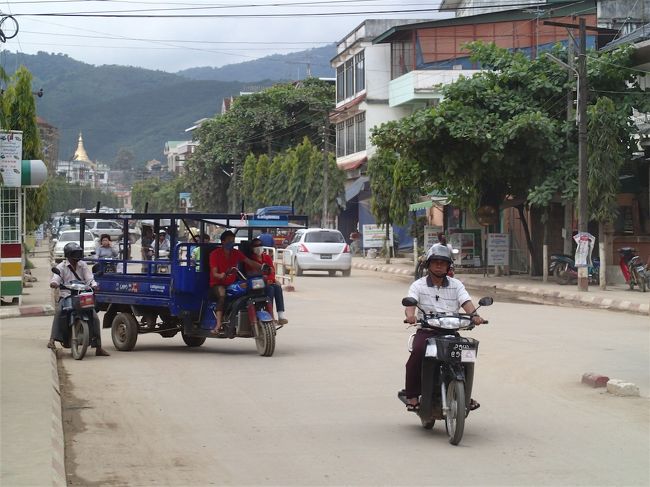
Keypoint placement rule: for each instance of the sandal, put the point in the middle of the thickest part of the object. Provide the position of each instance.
(473, 405)
(51, 345)
(413, 408)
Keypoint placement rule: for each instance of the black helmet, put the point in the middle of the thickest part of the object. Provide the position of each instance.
(439, 252)
(72, 250)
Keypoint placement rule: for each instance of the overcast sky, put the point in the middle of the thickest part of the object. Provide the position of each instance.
(244, 31)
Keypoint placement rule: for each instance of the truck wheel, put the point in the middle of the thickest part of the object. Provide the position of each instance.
(192, 341)
(107, 321)
(124, 332)
(265, 341)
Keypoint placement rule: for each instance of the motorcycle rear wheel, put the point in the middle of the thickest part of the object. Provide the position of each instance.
(80, 339)
(455, 418)
(561, 274)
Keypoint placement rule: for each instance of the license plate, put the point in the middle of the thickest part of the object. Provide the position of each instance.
(325, 256)
(468, 356)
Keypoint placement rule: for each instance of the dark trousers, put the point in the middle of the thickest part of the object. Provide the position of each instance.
(274, 291)
(414, 367)
(61, 331)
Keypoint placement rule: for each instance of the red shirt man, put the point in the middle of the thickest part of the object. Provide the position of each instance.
(223, 260)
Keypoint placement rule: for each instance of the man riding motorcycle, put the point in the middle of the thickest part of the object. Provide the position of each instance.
(435, 292)
(73, 269)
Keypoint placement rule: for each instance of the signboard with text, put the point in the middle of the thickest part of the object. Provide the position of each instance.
(431, 235)
(11, 156)
(498, 249)
(374, 235)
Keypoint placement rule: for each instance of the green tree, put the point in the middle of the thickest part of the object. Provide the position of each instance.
(160, 196)
(63, 196)
(609, 146)
(381, 168)
(267, 122)
(261, 181)
(503, 133)
(19, 113)
(248, 182)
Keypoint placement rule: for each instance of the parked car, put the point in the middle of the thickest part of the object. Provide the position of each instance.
(320, 249)
(112, 228)
(68, 236)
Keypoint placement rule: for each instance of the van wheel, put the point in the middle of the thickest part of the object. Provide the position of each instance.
(265, 341)
(124, 332)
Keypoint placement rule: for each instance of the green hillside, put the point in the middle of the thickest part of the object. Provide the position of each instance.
(118, 106)
(276, 67)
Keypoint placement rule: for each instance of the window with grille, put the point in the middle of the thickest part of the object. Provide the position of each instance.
(340, 83)
(360, 124)
(359, 72)
(9, 215)
(349, 78)
(340, 139)
(349, 136)
(401, 58)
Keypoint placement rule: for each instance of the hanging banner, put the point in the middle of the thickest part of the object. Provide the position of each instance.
(11, 156)
(585, 242)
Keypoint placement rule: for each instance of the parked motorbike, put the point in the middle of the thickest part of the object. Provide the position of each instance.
(248, 312)
(77, 310)
(564, 269)
(443, 394)
(634, 270)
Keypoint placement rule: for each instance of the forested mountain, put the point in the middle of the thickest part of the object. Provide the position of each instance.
(275, 67)
(119, 107)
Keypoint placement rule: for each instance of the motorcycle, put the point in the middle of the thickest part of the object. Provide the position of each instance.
(78, 310)
(443, 394)
(564, 269)
(633, 269)
(248, 312)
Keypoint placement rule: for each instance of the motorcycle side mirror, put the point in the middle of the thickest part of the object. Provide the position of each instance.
(56, 271)
(409, 302)
(486, 301)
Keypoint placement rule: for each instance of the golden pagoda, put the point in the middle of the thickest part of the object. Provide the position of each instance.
(81, 155)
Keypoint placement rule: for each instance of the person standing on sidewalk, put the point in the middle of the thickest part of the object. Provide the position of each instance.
(73, 269)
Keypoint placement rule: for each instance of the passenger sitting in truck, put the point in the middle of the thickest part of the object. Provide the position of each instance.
(273, 289)
(222, 260)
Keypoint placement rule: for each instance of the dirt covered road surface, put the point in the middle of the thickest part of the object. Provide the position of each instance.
(323, 410)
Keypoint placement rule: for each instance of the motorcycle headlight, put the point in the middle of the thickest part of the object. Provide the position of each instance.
(257, 283)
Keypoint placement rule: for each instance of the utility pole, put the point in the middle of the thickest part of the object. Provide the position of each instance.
(583, 217)
(325, 216)
(570, 116)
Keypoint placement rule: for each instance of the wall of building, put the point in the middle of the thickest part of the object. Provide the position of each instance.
(377, 71)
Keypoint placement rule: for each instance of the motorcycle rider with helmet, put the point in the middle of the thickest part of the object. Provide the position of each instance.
(435, 292)
(73, 269)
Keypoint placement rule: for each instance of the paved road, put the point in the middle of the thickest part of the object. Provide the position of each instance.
(323, 411)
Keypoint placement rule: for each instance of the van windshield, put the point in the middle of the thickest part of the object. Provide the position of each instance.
(324, 236)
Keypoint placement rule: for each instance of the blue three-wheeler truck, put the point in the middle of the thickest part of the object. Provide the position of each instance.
(160, 284)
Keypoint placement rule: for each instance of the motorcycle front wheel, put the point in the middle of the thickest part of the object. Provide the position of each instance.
(455, 417)
(265, 341)
(80, 338)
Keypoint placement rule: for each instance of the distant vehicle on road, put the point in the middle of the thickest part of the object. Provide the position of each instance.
(68, 236)
(320, 249)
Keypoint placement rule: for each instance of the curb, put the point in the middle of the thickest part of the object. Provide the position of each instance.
(527, 293)
(25, 311)
(59, 478)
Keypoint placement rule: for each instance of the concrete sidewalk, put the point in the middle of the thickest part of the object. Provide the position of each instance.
(615, 298)
(32, 442)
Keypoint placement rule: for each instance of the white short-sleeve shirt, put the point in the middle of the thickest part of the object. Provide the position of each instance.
(447, 298)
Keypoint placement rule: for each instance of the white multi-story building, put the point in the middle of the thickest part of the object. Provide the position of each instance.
(362, 78)
(177, 153)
